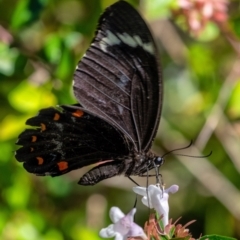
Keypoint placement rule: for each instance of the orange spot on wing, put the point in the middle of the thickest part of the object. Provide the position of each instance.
(43, 127)
(56, 117)
(62, 165)
(78, 113)
(40, 160)
(34, 138)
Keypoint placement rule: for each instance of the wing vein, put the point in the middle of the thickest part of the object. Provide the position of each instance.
(108, 96)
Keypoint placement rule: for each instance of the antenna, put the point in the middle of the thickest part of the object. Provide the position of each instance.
(189, 145)
(157, 168)
(205, 156)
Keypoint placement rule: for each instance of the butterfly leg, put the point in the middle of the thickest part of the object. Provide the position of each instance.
(133, 181)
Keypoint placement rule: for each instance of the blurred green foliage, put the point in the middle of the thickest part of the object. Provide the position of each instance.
(41, 42)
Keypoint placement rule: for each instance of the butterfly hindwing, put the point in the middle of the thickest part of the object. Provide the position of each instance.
(68, 138)
(119, 78)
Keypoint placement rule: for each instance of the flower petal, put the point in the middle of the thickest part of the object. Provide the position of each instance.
(123, 226)
(131, 214)
(140, 191)
(172, 189)
(157, 198)
(107, 232)
(119, 236)
(125, 223)
(115, 214)
(136, 231)
(147, 202)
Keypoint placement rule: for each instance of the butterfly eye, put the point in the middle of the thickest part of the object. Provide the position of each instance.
(158, 161)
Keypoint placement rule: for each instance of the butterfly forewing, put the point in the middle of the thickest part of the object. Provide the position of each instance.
(68, 138)
(118, 84)
(119, 78)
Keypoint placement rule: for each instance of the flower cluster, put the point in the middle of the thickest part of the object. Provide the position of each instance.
(156, 197)
(199, 12)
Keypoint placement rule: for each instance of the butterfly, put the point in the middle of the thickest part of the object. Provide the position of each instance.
(118, 85)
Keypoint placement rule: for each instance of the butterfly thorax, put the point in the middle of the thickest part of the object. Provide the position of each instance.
(141, 163)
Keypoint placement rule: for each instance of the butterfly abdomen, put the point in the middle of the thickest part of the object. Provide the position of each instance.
(131, 165)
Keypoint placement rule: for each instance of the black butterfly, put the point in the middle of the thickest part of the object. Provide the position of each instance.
(118, 83)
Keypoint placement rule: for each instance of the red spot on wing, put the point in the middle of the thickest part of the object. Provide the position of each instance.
(34, 138)
(56, 117)
(78, 113)
(62, 165)
(43, 127)
(40, 160)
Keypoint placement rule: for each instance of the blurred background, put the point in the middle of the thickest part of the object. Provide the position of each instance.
(41, 42)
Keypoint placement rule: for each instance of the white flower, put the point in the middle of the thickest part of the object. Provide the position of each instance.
(123, 226)
(155, 197)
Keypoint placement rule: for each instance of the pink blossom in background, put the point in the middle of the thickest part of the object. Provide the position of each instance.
(199, 12)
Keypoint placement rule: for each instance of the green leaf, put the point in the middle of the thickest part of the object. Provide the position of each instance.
(234, 106)
(236, 25)
(201, 60)
(27, 97)
(53, 186)
(21, 14)
(10, 127)
(172, 231)
(164, 237)
(53, 234)
(6, 149)
(79, 232)
(183, 238)
(14, 194)
(66, 65)
(156, 9)
(8, 57)
(52, 48)
(209, 33)
(216, 237)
